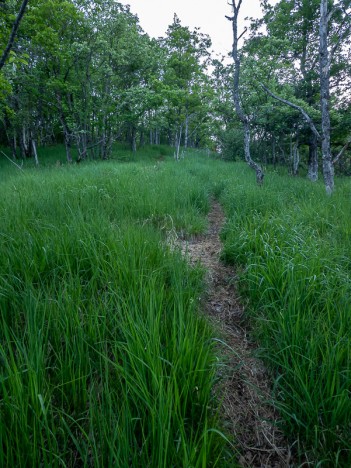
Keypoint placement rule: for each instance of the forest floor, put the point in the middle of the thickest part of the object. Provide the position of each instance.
(246, 390)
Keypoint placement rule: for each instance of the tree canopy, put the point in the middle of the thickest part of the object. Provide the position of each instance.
(87, 75)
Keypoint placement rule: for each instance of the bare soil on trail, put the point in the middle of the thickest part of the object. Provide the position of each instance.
(246, 388)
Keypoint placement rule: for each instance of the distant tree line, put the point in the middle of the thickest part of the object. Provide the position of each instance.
(85, 74)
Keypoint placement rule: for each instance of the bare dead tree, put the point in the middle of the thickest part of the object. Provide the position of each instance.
(244, 119)
(11, 40)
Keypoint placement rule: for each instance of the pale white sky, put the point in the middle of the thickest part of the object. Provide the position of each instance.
(156, 15)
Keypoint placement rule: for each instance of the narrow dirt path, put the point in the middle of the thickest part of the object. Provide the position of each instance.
(247, 388)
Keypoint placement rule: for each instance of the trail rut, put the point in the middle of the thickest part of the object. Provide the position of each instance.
(246, 388)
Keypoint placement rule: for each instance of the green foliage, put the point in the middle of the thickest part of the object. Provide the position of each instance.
(186, 87)
(5, 90)
(87, 75)
(232, 144)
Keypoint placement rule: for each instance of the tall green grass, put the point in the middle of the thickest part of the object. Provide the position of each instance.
(104, 359)
(294, 246)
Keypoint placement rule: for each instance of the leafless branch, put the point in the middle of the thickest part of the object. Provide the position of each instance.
(242, 34)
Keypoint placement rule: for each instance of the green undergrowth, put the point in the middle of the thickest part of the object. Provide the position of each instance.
(104, 358)
(294, 246)
(55, 156)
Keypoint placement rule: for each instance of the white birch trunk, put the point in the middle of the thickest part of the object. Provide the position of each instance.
(178, 138)
(35, 153)
(186, 131)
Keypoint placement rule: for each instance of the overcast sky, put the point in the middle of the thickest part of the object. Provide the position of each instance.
(156, 15)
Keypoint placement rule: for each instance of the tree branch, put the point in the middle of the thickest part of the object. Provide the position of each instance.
(341, 152)
(13, 34)
(341, 37)
(295, 106)
(11, 161)
(242, 34)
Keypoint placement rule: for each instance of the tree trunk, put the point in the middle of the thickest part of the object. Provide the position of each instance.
(66, 130)
(142, 138)
(134, 140)
(256, 167)
(178, 138)
(324, 70)
(68, 147)
(84, 142)
(25, 145)
(12, 143)
(14, 147)
(313, 159)
(35, 153)
(296, 159)
(11, 40)
(239, 111)
(104, 148)
(274, 161)
(186, 134)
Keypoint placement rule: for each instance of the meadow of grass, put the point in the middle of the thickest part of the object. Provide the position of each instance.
(294, 245)
(104, 358)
